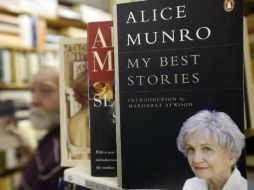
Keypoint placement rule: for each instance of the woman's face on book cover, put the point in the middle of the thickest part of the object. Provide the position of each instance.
(207, 159)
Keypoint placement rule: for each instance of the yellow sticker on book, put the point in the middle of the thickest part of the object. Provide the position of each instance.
(229, 5)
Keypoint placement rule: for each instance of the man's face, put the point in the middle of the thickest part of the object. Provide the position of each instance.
(45, 98)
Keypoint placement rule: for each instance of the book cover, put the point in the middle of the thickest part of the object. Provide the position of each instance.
(75, 133)
(82, 176)
(172, 60)
(101, 98)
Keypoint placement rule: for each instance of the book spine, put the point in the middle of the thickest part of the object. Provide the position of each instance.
(117, 102)
(6, 58)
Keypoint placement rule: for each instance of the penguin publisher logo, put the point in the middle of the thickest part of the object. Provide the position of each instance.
(229, 5)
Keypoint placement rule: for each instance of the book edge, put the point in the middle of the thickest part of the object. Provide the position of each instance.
(249, 76)
(117, 100)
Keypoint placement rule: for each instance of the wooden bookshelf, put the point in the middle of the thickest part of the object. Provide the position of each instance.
(15, 86)
(39, 45)
(14, 46)
(51, 21)
(6, 172)
(62, 22)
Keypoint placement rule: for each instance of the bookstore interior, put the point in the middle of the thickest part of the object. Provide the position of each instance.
(126, 94)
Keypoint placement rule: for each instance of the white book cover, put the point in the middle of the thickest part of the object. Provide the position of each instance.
(75, 133)
(82, 176)
(23, 67)
(24, 95)
(33, 64)
(25, 24)
(46, 8)
(6, 67)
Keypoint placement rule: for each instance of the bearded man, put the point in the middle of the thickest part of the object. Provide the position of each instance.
(43, 170)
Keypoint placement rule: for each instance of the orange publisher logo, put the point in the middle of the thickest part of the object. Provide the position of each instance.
(229, 5)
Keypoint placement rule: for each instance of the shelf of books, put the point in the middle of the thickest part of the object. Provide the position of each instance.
(29, 37)
(14, 86)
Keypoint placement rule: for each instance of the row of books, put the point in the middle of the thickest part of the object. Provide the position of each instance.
(18, 67)
(83, 12)
(32, 31)
(11, 31)
(52, 9)
(10, 182)
(22, 30)
(46, 8)
(143, 75)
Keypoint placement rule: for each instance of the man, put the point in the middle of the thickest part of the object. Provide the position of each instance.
(43, 170)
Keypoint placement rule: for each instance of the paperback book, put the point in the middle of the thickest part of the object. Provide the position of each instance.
(75, 133)
(101, 98)
(173, 59)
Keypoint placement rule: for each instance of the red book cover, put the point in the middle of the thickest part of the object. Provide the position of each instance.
(101, 98)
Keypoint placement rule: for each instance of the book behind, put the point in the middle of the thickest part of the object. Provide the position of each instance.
(101, 98)
(75, 133)
(172, 60)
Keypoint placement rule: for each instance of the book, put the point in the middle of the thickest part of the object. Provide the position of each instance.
(172, 59)
(10, 39)
(6, 66)
(75, 133)
(47, 8)
(9, 19)
(7, 28)
(19, 67)
(91, 13)
(68, 12)
(33, 64)
(73, 32)
(64, 185)
(41, 32)
(26, 30)
(82, 176)
(7, 121)
(101, 98)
